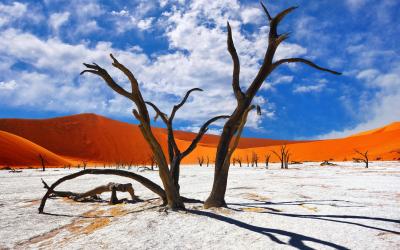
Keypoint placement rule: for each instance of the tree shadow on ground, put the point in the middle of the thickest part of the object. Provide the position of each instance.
(302, 202)
(331, 218)
(78, 216)
(295, 240)
(334, 218)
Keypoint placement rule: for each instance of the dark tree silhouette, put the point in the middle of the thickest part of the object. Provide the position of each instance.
(365, 157)
(283, 156)
(254, 159)
(200, 160)
(152, 161)
(267, 157)
(174, 153)
(42, 162)
(244, 100)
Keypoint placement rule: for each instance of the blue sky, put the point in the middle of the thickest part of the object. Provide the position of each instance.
(175, 45)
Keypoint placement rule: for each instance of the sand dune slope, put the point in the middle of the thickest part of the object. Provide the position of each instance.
(84, 137)
(17, 151)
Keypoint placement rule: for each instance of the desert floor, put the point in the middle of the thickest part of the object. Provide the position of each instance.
(305, 207)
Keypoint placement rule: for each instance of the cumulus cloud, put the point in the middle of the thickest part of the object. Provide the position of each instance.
(58, 19)
(309, 88)
(9, 13)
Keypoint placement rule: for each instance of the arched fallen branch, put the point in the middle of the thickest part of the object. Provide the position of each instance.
(144, 181)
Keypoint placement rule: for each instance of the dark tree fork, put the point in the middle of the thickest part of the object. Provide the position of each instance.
(244, 100)
(169, 176)
(174, 153)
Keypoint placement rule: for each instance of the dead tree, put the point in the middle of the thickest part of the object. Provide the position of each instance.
(84, 163)
(169, 176)
(208, 160)
(282, 156)
(267, 157)
(248, 161)
(200, 160)
(254, 159)
(244, 99)
(93, 193)
(42, 162)
(365, 157)
(144, 181)
(287, 159)
(152, 161)
(237, 160)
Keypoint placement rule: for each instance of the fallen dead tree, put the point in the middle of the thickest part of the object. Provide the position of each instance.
(94, 193)
(327, 163)
(144, 181)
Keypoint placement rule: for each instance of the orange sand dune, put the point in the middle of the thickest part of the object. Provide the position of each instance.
(382, 143)
(86, 137)
(390, 127)
(97, 139)
(17, 151)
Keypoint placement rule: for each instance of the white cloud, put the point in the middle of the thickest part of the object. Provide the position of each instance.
(58, 19)
(309, 88)
(252, 15)
(384, 106)
(145, 24)
(9, 13)
(4, 86)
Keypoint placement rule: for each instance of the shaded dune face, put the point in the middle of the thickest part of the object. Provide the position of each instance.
(97, 139)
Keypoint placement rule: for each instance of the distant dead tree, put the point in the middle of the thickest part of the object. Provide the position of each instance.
(327, 163)
(237, 159)
(169, 175)
(200, 160)
(248, 160)
(244, 97)
(283, 156)
(267, 157)
(208, 160)
(254, 159)
(287, 160)
(364, 155)
(84, 164)
(42, 162)
(153, 161)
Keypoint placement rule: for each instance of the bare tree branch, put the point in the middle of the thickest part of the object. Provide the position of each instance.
(236, 66)
(277, 19)
(97, 70)
(307, 62)
(200, 134)
(137, 95)
(159, 113)
(177, 107)
(266, 11)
